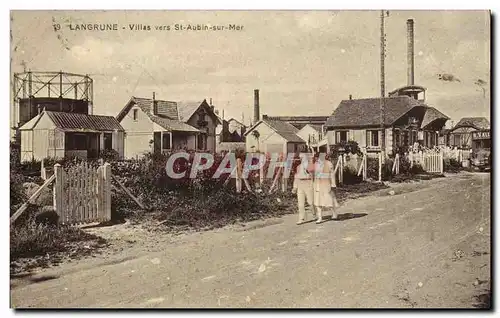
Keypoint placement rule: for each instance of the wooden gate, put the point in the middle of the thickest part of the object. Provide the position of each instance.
(433, 162)
(82, 194)
(430, 161)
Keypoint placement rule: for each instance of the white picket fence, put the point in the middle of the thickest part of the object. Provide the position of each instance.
(82, 194)
(431, 161)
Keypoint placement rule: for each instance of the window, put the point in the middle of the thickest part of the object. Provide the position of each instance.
(372, 138)
(76, 141)
(341, 136)
(397, 137)
(108, 141)
(166, 141)
(202, 142)
(135, 111)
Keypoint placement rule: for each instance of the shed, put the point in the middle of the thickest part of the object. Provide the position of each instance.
(61, 134)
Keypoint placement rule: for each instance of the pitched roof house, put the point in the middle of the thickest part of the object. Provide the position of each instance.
(160, 125)
(407, 120)
(63, 134)
(273, 136)
(470, 132)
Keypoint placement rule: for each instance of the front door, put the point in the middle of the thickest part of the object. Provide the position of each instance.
(93, 145)
(157, 142)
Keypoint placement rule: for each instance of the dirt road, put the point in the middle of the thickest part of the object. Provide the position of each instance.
(424, 248)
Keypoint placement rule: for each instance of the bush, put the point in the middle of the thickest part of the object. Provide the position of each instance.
(351, 176)
(372, 167)
(222, 207)
(350, 146)
(452, 165)
(109, 155)
(17, 195)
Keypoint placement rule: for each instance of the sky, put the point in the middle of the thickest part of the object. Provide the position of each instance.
(303, 62)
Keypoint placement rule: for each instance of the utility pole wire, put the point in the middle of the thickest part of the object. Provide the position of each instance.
(382, 82)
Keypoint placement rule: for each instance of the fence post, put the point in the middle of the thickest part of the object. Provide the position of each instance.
(380, 166)
(107, 191)
(262, 162)
(365, 165)
(58, 191)
(399, 163)
(42, 170)
(441, 160)
(341, 172)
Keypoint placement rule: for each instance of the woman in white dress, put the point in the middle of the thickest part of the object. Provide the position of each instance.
(324, 185)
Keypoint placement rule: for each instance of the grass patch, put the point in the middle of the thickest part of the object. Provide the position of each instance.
(48, 244)
(221, 208)
(357, 190)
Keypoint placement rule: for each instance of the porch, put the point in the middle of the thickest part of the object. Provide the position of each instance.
(90, 145)
(166, 141)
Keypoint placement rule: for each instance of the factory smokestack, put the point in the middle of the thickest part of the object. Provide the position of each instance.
(256, 110)
(411, 53)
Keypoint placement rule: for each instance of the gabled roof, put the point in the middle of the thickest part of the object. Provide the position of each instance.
(186, 109)
(316, 127)
(238, 122)
(476, 122)
(170, 115)
(74, 121)
(77, 122)
(168, 108)
(366, 111)
(282, 128)
(432, 114)
(31, 123)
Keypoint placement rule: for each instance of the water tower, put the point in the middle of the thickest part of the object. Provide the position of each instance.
(54, 91)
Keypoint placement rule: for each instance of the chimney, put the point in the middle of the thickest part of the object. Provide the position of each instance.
(350, 96)
(256, 110)
(155, 106)
(210, 101)
(410, 53)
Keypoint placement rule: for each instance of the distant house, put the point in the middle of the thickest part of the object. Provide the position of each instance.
(236, 130)
(470, 132)
(407, 120)
(273, 136)
(160, 125)
(312, 134)
(68, 135)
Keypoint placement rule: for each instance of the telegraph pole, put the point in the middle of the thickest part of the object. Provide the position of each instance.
(382, 83)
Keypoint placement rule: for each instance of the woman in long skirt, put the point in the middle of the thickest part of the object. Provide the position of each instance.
(324, 185)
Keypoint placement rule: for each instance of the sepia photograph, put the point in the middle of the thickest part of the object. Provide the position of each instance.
(280, 159)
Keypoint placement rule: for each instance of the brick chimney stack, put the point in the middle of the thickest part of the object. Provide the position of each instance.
(256, 106)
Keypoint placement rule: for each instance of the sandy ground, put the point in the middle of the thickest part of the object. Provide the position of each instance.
(425, 246)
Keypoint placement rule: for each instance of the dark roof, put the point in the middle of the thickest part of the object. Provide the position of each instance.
(284, 129)
(186, 109)
(298, 119)
(164, 107)
(476, 122)
(432, 114)
(74, 121)
(366, 112)
(172, 124)
(171, 115)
